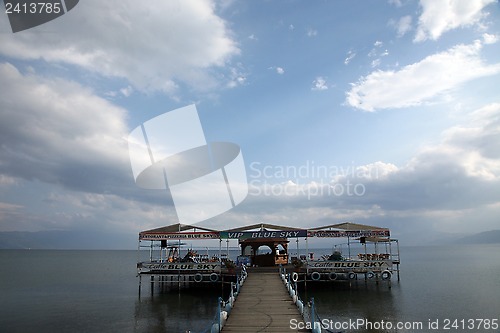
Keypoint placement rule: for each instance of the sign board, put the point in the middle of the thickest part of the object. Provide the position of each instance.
(356, 266)
(179, 235)
(263, 234)
(179, 266)
(348, 233)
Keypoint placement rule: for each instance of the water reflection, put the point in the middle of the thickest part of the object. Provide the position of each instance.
(169, 309)
(341, 302)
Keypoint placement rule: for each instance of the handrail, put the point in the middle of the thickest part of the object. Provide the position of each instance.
(224, 307)
(311, 317)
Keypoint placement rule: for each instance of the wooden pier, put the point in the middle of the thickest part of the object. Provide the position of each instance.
(263, 305)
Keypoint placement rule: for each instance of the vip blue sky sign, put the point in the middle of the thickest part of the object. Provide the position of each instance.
(263, 234)
(383, 112)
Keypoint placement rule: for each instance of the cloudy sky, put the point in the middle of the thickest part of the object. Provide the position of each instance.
(378, 112)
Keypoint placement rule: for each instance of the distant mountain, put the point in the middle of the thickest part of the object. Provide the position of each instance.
(487, 237)
(65, 240)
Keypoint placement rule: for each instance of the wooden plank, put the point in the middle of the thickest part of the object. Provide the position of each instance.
(263, 305)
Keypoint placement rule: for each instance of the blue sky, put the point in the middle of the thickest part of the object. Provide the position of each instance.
(399, 98)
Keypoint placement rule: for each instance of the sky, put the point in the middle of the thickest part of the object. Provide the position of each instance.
(384, 113)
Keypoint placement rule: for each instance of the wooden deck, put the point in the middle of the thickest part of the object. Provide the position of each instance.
(263, 305)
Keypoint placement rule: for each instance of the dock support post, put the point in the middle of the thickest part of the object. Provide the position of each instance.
(312, 313)
(140, 283)
(219, 313)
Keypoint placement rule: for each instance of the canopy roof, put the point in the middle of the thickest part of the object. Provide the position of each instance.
(349, 226)
(176, 228)
(263, 227)
(264, 230)
(377, 240)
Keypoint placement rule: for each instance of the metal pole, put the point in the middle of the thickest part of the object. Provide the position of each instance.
(307, 260)
(219, 313)
(138, 250)
(307, 249)
(297, 241)
(220, 248)
(349, 247)
(140, 283)
(313, 318)
(399, 261)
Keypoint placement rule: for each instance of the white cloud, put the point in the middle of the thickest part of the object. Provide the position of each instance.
(237, 81)
(397, 3)
(404, 25)
(319, 84)
(10, 212)
(439, 17)
(350, 56)
(421, 81)
(277, 69)
(65, 209)
(127, 91)
(4, 206)
(467, 157)
(375, 63)
(489, 38)
(153, 45)
(485, 115)
(481, 140)
(237, 76)
(376, 46)
(372, 172)
(119, 213)
(6, 180)
(375, 52)
(224, 5)
(312, 33)
(58, 132)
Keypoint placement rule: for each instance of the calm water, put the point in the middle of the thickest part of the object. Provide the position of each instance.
(97, 291)
(437, 283)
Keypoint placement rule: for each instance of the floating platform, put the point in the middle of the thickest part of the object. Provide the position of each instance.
(367, 252)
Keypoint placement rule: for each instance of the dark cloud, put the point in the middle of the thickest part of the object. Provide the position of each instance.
(446, 183)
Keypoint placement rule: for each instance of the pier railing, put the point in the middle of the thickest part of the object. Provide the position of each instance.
(307, 310)
(224, 307)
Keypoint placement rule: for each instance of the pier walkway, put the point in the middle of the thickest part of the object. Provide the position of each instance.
(263, 305)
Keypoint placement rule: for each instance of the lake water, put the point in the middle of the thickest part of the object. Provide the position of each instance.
(438, 284)
(98, 291)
